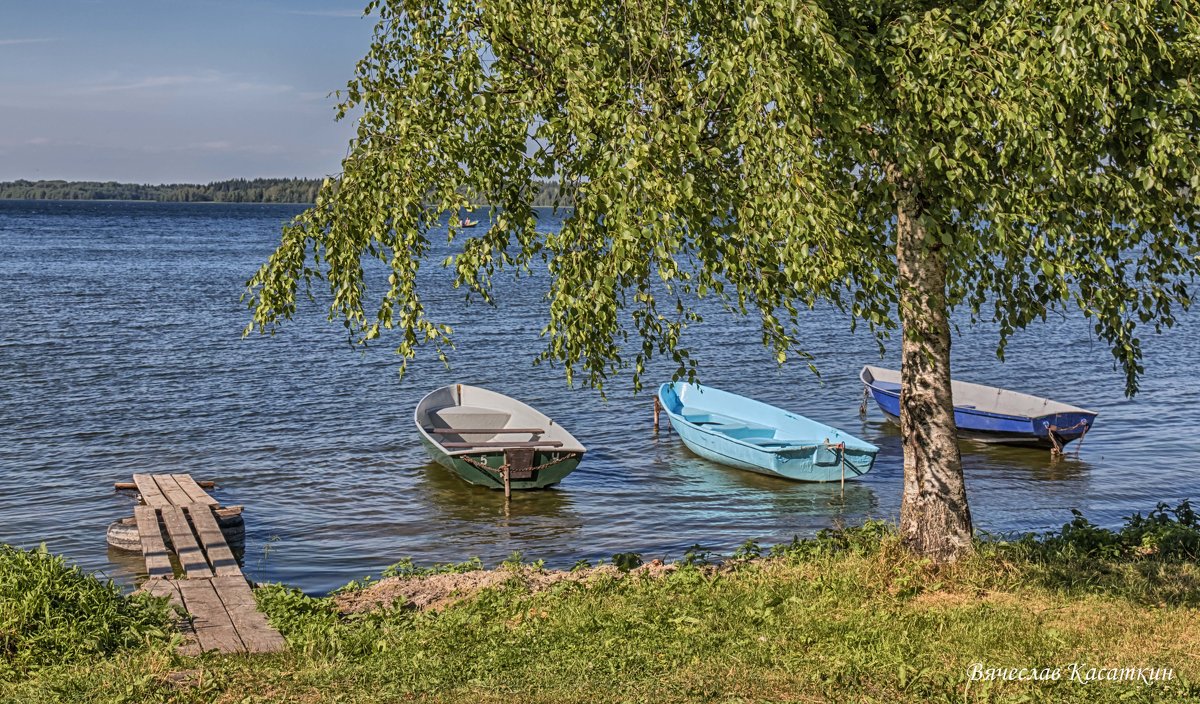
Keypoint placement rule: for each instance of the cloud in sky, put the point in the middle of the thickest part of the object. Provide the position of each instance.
(151, 82)
(200, 79)
(35, 40)
(143, 90)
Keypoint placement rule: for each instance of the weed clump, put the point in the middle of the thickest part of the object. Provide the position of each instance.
(52, 613)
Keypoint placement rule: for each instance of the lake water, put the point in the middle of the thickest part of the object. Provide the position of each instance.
(121, 352)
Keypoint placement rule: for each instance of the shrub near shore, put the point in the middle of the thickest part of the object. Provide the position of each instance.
(845, 616)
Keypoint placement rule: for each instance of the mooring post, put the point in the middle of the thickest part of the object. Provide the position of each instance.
(657, 408)
(507, 482)
(843, 463)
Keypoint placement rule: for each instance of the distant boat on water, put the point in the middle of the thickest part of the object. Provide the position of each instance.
(741, 432)
(492, 440)
(992, 415)
(468, 223)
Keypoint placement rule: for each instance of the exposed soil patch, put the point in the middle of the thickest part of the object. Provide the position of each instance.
(437, 591)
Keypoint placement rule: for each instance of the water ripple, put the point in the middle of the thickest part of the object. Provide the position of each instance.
(121, 351)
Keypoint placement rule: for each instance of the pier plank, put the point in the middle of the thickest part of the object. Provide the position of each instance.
(171, 489)
(214, 629)
(163, 587)
(170, 589)
(130, 486)
(191, 558)
(154, 548)
(223, 614)
(196, 494)
(149, 490)
(252, 626)
(213, 542)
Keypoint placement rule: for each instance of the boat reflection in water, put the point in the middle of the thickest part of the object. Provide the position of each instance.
(487, 525)
(991, 460)
(744, 503)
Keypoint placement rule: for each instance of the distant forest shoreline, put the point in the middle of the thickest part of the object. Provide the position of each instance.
(238, 190)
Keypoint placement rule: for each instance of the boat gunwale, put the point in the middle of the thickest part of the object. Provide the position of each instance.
(974, 411)
(580, 452)
(862, 445)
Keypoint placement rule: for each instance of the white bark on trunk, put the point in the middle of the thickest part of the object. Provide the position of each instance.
(935, 520)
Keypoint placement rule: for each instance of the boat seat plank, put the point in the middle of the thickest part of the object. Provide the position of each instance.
(191, 558)
(220, 556)
(196, 494)
(154, 548)
(481, 431)
(533, 443)
(149, 490)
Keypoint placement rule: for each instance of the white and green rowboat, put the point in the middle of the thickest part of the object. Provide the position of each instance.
(493, 440)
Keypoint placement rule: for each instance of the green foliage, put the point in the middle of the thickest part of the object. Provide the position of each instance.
(697, 556)
(407, 568)
(759, 154)
(626, 561)
(314, 628)
(1165, 534)
(748, 550)
(844, 616)
(856, 540)
(54, 614)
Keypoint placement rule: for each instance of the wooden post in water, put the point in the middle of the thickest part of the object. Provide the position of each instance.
(507, 482)
(657, 408)
(843, 463)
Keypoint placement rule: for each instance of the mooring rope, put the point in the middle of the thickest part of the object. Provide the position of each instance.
(1053, 430)
(504, 467)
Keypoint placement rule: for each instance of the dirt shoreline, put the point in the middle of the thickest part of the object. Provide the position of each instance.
(438, 591)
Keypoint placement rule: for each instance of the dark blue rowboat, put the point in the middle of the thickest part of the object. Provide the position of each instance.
(991, 415)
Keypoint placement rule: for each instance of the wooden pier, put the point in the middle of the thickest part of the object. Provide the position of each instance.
(212, 589)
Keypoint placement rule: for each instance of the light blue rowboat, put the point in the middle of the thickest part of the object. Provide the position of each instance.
(748, 434)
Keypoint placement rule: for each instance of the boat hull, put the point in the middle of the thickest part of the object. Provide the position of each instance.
(558, 466)
(475, 433)
(1046, 431)
(812, 460)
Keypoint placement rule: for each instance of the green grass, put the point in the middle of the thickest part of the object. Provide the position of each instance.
(53, 614)
(848, 616)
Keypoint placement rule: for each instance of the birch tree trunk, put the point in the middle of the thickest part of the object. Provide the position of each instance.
(935, 520)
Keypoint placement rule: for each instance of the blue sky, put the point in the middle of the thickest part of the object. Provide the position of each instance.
(161, 91)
